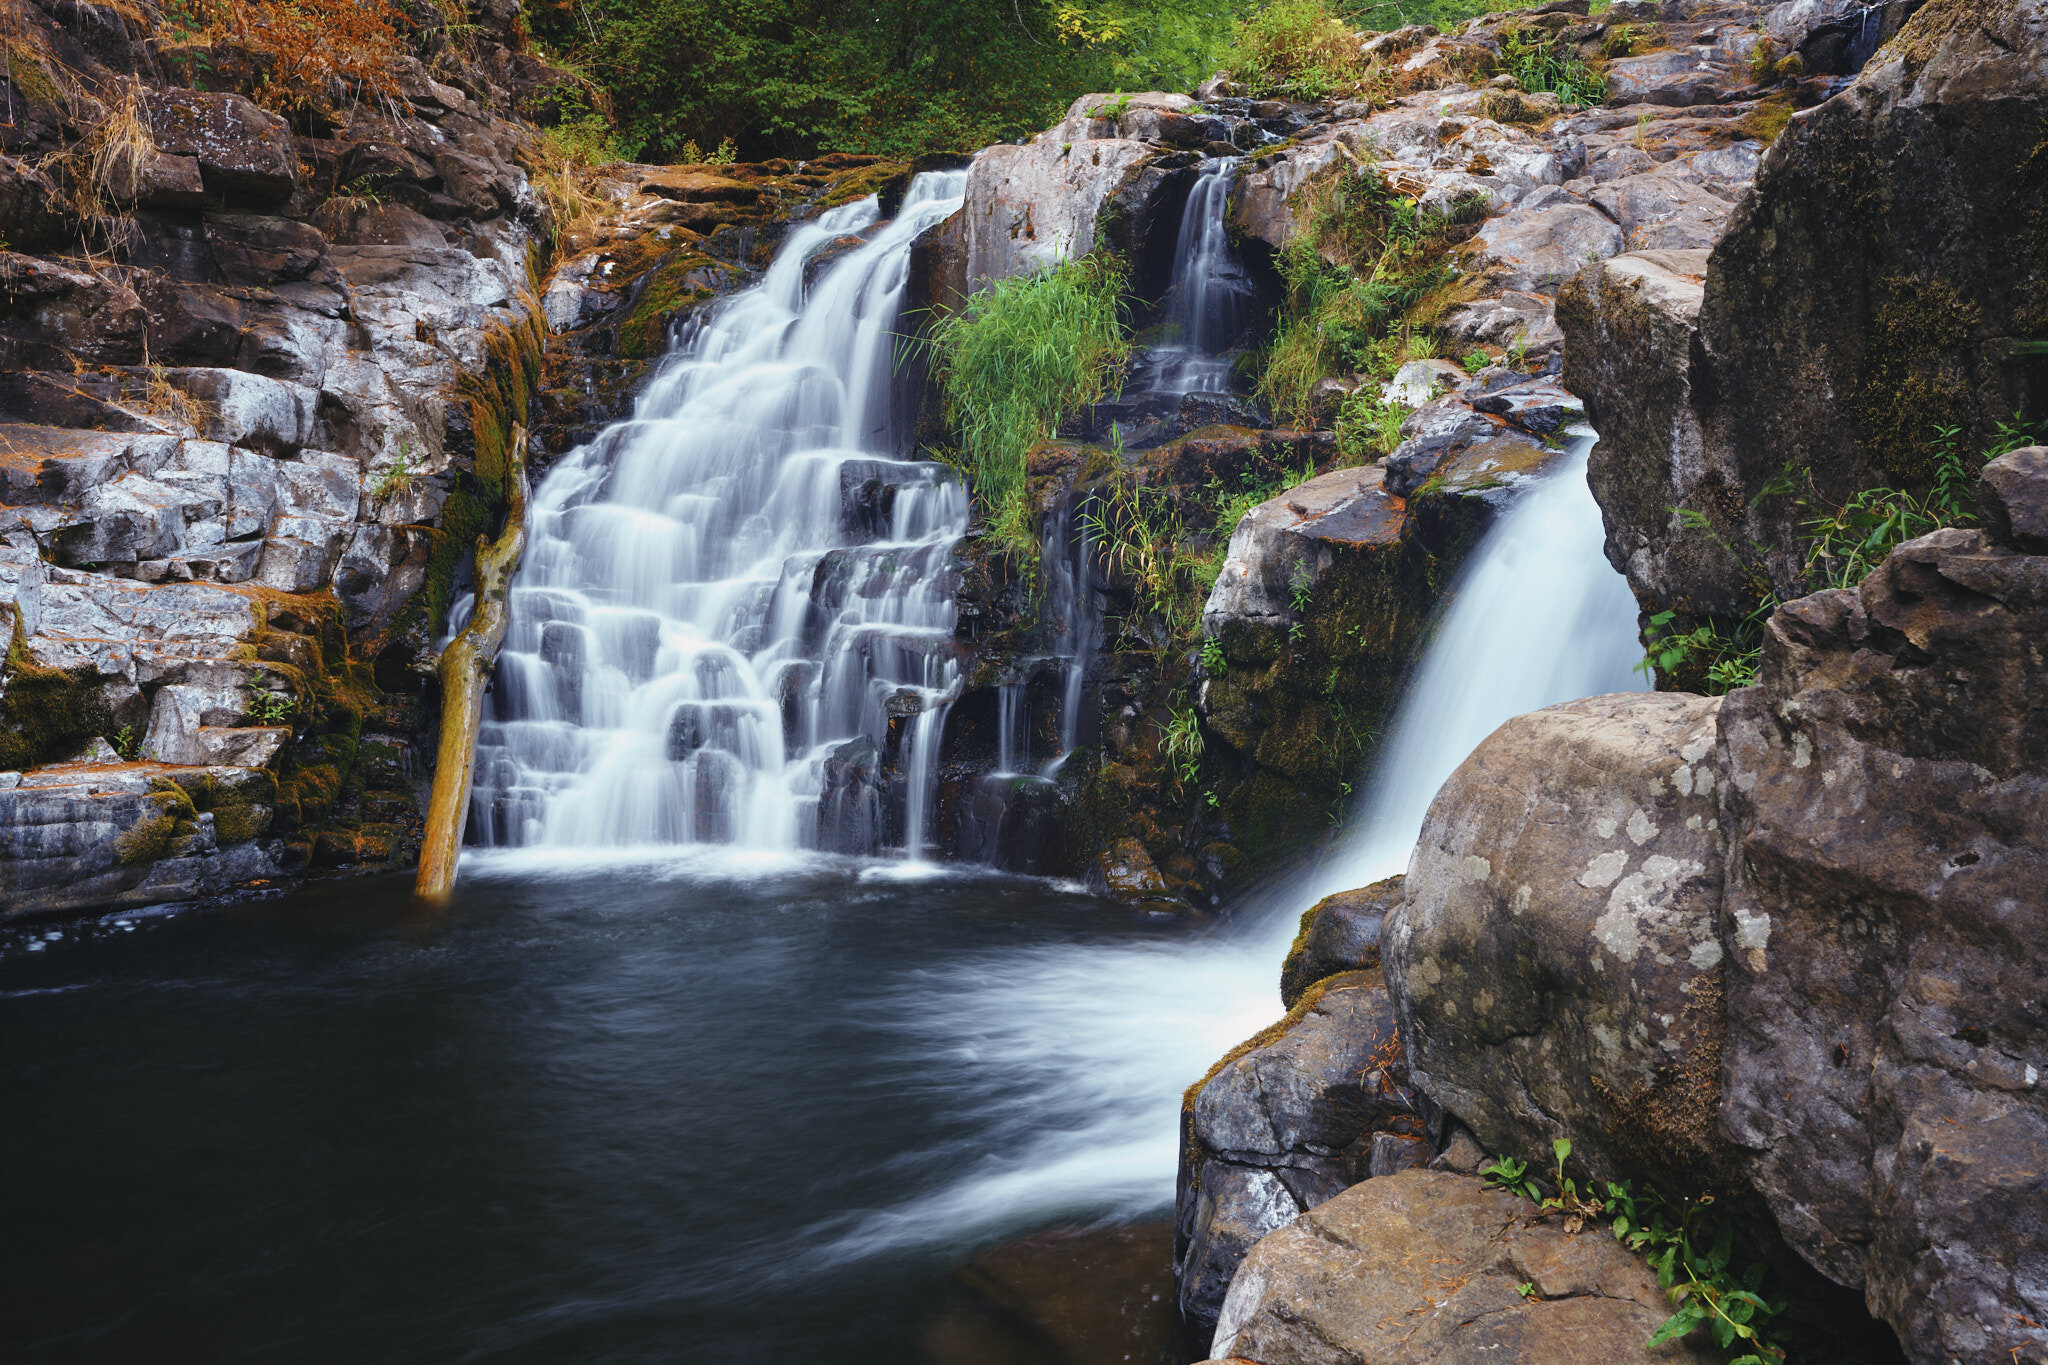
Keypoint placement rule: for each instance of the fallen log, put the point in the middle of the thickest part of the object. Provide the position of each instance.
(464, 666)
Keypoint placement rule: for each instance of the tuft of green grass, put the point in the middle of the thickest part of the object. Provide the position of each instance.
(1016, 360)
(1546, 63)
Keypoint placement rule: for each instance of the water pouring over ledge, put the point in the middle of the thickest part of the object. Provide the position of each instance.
(734, 624)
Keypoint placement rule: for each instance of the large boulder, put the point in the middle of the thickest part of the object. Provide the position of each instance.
(1428, 1266)
(1785, 944)
(1314, 1104)
(1555, 962)
(1880, 283)
(1030, 207)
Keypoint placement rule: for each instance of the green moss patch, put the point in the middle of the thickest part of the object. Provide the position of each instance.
(1914, 380)
(47, 714)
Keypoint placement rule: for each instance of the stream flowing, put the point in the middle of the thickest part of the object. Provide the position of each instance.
(667, 1082)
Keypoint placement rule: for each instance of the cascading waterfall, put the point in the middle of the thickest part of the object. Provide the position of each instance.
(1209, 297)
(736, 600)
(1538, 616)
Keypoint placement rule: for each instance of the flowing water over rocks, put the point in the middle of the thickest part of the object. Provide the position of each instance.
(735, 622)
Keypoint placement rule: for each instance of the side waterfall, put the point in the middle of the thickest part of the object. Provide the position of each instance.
(1208, 301)
(1536, 617)
(1111, 1034)
(738, 607)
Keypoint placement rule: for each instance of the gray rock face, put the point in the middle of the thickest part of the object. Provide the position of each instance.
(67, 839)
(1427, 1266)
(1537, 252)
(1557, 954)
(1339, 933)
(234, 394)
(1901, 203)
(1629, 327)
(1287, 1125)
(1787, 941)
(1028, 208)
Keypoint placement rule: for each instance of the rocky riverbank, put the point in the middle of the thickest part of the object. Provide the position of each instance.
(1774, 948)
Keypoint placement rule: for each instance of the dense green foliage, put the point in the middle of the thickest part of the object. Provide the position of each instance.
(1021, 356)
(891, 77)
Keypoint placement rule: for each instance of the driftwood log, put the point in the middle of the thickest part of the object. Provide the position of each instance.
(464, 666)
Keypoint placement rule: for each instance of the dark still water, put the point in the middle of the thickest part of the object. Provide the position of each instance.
(693, 1109)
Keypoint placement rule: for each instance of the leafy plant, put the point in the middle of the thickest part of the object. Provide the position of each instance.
(127, 743)
(1180, 741)
(1544, 62)
(399, 478)
(1621, 40)
(1357, 277)
(1017, 359)
(1512, 1175)
(310, 43)
(1692, 1253)
(1368, 426)
(267, 707)
(1694, 1259)
(1213, 660)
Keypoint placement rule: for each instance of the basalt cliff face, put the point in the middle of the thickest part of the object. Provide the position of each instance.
(1883, 284)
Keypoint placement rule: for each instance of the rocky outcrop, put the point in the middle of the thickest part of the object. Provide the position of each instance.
(1325, 590)
(1429, 1266)
(1783, 944)
(1316, 1103)
(252, 416)
(1879, 285)
(1339, 933)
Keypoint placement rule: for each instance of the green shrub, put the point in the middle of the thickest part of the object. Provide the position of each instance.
(1016, 360)
(1692, 1248)
(1355, 275)
(1299, 48)
(1546, 63)
(1844, 542)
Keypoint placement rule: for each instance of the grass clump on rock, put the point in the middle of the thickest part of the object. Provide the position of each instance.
(1017, 359)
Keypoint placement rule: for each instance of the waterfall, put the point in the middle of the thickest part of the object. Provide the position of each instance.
(1074, 617)
(735, 622)
(1537, 616)
(1209, 299)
